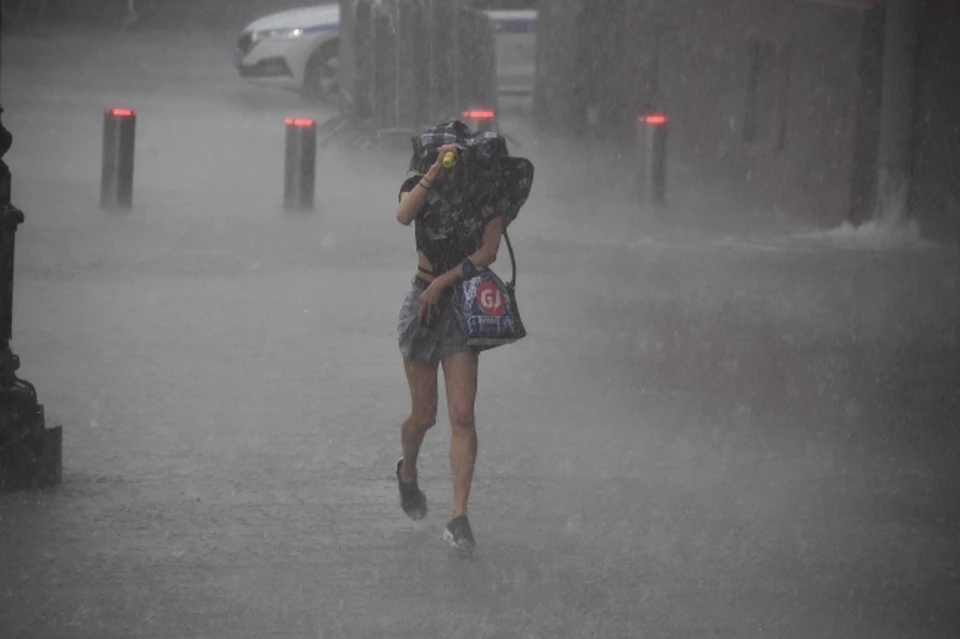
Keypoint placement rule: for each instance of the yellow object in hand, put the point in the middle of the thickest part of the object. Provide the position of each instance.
(449, 159)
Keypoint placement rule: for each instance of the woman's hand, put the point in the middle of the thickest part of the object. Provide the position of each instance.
(430, 298)
(438, 167)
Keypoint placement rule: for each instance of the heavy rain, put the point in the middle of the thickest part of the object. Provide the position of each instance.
(736, 411)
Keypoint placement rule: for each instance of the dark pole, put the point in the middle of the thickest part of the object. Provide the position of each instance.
(300, 163)
(119, 145)
(898, 108)
(30, 454)
(652, 139)
(478, 120)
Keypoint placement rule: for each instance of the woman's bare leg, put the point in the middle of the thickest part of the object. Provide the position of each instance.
(460, 378)
(422, 379)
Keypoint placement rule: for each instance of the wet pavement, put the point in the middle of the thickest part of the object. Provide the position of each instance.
(722, 424)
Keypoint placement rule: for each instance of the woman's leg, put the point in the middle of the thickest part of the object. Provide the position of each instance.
(422, 379)
(460, 378)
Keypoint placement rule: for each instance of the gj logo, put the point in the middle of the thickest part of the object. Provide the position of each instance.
(491, 301)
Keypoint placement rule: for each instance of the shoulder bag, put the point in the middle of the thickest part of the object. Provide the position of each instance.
(487, 308)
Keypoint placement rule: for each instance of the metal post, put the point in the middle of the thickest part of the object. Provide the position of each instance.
(480, 119)
(398, 36)
(897, 112)
(652, 140)
(300, 163)
(457, 53)
(441, 68)
(364, 54)
(30, 453)
(433, 81)
(381, 49)
(116, 175)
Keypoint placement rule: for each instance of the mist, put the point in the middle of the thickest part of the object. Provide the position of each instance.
(735, 414)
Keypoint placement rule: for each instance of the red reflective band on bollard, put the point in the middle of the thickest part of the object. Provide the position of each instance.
(479, 115)
(300, 160)
(652, 159)
(299, 122)
(654, 119)
(480, 119)
(119, 143)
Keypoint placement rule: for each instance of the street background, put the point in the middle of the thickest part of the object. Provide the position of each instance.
(722, 424)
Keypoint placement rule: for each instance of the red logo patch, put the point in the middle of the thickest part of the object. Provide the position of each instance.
(490, 300)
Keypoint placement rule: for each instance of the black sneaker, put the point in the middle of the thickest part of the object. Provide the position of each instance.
(458, 534)
(412, 499)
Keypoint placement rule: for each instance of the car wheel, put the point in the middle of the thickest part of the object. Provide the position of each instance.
(320, 82)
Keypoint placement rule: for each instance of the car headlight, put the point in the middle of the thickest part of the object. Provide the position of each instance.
(277, 34)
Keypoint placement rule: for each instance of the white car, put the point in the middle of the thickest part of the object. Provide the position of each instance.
(297, 49)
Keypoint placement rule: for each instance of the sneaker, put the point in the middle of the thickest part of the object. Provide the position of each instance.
(412, 499)
(458, 534)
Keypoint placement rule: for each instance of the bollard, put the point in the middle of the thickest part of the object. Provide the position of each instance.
(652, 140)
(480, 119)
(116, 176)
(300, 164)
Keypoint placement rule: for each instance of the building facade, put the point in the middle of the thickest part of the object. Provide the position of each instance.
(780, 98)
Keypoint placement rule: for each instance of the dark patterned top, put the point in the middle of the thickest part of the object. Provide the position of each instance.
(484, 183)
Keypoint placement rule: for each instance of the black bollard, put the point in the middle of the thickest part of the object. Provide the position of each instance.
(652, 141)
(300, 165)
(480, 119)
(116, 175)
(30, 453)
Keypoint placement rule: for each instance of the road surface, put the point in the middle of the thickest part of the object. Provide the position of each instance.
(721, 425)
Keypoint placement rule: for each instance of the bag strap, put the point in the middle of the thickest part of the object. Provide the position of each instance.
(513, 262)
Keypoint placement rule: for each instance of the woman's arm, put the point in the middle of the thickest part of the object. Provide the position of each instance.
(483, 256)
(411, 202)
